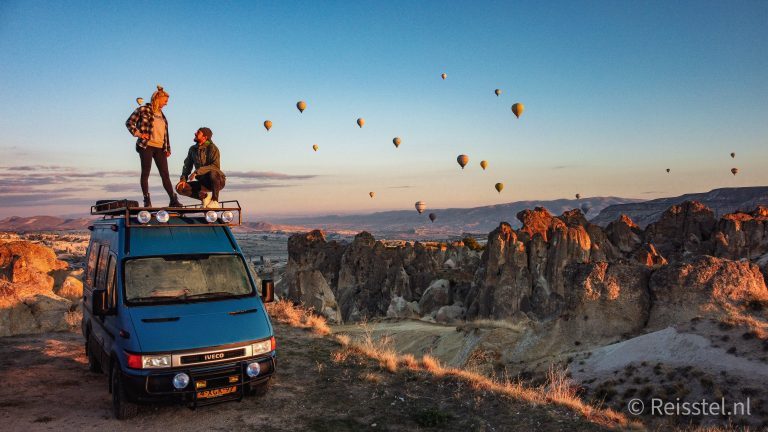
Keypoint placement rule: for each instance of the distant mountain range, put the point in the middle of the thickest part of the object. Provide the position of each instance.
(409, 224)
(43, 223)
(449, 222)
(721, 201)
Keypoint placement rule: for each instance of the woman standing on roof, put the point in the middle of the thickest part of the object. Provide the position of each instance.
(149, 125)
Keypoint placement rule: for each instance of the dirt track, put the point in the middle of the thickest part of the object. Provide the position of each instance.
(46, 386)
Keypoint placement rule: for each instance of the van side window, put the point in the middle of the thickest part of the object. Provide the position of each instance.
(91, 269)
(111, 282)
(101, 267)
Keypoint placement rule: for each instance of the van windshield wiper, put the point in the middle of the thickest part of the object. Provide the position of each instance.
(210, 294)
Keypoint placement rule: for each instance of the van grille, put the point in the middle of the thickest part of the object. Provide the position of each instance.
(212, 356)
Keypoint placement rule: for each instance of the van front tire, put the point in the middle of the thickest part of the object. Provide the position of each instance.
(121, 407)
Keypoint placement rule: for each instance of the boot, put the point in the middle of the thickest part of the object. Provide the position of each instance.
(147, 202)
(175, 202)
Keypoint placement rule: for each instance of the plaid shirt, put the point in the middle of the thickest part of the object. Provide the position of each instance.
(141, 122)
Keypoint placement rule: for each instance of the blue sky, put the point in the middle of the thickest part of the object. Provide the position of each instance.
(615, 92)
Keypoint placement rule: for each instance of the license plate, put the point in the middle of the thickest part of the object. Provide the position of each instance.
(214, 393)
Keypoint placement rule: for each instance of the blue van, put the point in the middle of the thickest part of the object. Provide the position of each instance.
(170, 307)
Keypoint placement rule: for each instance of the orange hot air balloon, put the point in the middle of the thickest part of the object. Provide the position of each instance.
(499, 187)
(360, 122)
(517, 109)
(315, 147)
(432, 217)
(483, 165)
(140, 101)
(372, 194)
(396, 141)
(734, 171)
(268, 125)
(301, 105)
(444, 76)
(463, 160)
(420, 206)
(498, 92)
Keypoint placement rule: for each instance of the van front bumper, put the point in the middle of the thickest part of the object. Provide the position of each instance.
(205, 383)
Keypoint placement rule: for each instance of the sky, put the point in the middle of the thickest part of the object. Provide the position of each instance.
(615, 92)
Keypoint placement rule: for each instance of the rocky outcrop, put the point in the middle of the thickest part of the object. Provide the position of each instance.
(683, 230)
(703, 286)
(579, 281)
(28, 273)
(366, 278)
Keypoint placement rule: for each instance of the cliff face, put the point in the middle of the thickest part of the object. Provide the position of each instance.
(595, 283)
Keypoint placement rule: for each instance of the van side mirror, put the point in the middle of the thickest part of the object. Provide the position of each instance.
(267, 290)
(100, 303)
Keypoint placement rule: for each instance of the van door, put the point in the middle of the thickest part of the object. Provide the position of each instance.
(98, 329)
(111, 322)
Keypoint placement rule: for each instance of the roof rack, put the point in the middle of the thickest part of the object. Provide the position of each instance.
(129, 210)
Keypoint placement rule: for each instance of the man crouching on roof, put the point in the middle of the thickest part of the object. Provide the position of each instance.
(207, 180)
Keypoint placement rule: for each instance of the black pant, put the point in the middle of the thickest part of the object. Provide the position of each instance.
(213, 181)
(161, 162)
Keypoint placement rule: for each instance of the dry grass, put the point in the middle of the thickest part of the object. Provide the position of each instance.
(558, 390)
(285, 312)
(74, 319)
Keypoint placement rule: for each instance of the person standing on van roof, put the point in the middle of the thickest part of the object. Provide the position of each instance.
(149, 125)
(207, 177)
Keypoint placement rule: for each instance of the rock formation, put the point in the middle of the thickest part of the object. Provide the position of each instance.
(581, 281)
(29, 276)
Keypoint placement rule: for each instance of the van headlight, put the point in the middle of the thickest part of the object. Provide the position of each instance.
(161, 361)
(262, 347)
(227, 216)
(144, 216)
(162, 216)
(211, 216)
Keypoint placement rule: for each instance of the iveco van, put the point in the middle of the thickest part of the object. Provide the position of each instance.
(171, 308)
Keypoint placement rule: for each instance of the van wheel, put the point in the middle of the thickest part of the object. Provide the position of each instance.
(93, 364)
(261, 389)
(121, 407)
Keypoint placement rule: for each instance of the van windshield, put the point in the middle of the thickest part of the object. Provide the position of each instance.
(185, 278)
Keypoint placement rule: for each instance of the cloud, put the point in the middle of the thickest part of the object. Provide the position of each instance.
(267, 175)
(42, 199)
(651, 192)
(399, 187)
(559, 167)
(251, 186)
(37, 168)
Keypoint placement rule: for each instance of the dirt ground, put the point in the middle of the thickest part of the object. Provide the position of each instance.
(47, 386)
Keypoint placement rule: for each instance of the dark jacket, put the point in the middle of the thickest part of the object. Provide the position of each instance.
(204, 158)
(141, 121)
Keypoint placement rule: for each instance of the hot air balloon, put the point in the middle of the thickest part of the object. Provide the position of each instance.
(483, 164)
(396, 141)
(360, 122)
(578, 196)
(420, 206)
(432, 217)
(462, 160)
(268, 124)
(498, 92)
(499, 187)
(140, 101)
(668, 169)
(315, 147)
(444, 75)
(734, 171)
(301, 105)
(372, 194)
(733, 155)
(517, 109)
